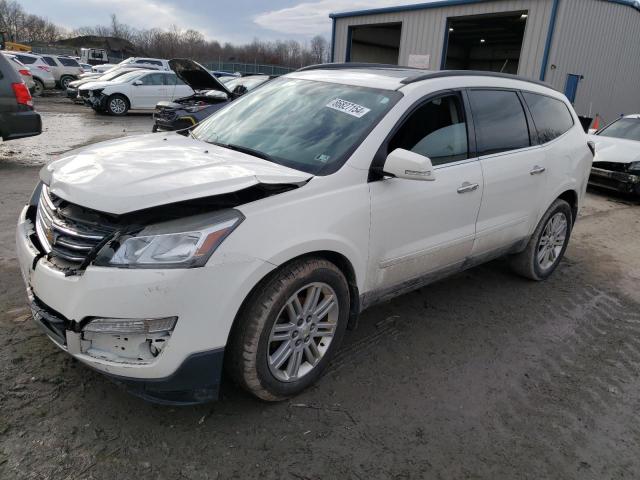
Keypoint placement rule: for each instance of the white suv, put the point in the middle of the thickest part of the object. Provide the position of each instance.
(260, 236)
(65, 69)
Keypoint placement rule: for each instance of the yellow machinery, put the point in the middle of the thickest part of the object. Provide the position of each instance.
(5, 44)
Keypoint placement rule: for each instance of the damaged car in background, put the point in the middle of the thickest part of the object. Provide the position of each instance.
(255, 240)
(72, 87)
(137, 90)
(211, 94)
(618, 164)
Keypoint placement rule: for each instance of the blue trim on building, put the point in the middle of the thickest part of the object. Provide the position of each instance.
(635, 4)
(547, 45)
(445, 46)
(347, 55)
(333, 40)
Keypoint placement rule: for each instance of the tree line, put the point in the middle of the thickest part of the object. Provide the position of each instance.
(28, 28)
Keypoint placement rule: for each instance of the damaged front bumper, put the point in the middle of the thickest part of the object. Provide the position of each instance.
(619, 181)
(187, 368)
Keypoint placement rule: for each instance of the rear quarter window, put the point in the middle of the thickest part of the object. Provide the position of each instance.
(551, 116)
(26, 60)
(50, 61)
(68, 62)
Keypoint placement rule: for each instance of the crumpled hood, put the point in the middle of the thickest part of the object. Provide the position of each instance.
(616, 150)
(134, 173)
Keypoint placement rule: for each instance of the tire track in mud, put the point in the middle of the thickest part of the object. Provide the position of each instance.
(385, 330)
(578, 381)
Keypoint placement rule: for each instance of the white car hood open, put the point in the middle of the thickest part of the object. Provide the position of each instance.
(616, 150)
(134, 173)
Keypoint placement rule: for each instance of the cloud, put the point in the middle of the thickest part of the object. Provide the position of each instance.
(312, 18)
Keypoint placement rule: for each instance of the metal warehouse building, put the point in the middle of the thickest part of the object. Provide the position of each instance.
(589, 49)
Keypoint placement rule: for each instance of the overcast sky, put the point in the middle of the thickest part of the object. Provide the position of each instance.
(237, 21)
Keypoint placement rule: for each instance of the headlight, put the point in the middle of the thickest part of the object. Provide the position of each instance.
(634, 167)
(184, 243)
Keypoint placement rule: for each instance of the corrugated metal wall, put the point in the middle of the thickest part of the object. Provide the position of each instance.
(600, 40)
(423, 30)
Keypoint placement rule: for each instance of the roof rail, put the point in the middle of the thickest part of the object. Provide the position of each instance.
(350, 65)
(470, 73)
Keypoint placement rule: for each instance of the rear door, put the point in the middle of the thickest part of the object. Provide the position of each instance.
(421, 227)
(514, 169)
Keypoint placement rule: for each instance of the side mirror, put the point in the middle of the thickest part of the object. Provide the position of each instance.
(240, 90)
(137, 83)
(408, 165)
(215, 94)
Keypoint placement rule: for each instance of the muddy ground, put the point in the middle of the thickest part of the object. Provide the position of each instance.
(482, 376)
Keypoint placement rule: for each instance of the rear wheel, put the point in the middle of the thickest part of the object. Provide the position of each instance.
(65, 80)
(547, 244)
(289, 330)
(38, 89)
(117, 105)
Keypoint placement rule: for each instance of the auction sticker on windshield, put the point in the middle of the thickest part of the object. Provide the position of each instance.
(350, 108)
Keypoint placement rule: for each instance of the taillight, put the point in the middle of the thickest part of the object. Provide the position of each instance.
(592, 147)
(25, 72)
(23, 97)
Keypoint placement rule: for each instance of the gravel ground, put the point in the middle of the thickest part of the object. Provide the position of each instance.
(481, 376)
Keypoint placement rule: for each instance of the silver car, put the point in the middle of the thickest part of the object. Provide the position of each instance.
(41, 72)
(64, 69)
(23, 70)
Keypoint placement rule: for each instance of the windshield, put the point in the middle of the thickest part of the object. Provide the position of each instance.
(129, 76)
(307, 125)
(111, 74)
(626, 128)
(249, 82)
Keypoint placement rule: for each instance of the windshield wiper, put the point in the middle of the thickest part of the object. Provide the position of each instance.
(247, 150)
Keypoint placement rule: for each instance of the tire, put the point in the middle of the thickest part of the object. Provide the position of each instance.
(38, 89)
(532, 263)
(117, 105)
(256, 346)
(65, 80)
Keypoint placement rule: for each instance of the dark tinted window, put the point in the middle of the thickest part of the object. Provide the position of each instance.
(551, 116)
(436, 130)
(50, 61)
(153, 79)
(26, 60)
(500, 121)
(68, 62)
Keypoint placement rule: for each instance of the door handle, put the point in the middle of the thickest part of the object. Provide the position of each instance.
(467, 187)
(537, 170)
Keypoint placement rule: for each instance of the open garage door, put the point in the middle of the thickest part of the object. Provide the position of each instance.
(486, 42)
(374, 43)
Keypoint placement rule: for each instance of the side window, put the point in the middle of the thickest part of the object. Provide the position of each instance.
(154, 62)
(551, 116)
(50, 61)
(169, 78)
(499, 119)
(436, 129)
(68, 62)
(153, 79)
(26, 60)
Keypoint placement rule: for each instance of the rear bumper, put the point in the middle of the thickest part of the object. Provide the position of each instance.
(20, 124)
(618, 181)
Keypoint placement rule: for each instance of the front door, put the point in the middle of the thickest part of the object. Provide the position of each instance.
(514, 170)
(421, 227)
(150, 92)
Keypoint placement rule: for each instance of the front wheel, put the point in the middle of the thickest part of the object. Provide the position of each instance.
(547, 244)
(65, 81)
(289, 329)
(117, 105)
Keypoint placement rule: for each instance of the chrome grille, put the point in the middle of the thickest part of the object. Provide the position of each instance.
(63, 235)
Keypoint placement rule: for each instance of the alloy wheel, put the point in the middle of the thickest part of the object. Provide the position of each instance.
(552, 241)
(117, 106)
(302, 332)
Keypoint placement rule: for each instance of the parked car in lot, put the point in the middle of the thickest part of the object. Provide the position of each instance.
(138, 90)
(72, 88)
(41, 72)
(17, 117)
(64, 69)
(151, 63)
(23, 70)
(618, 165)
(210, 95)
(257, 239)
(86, 67)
